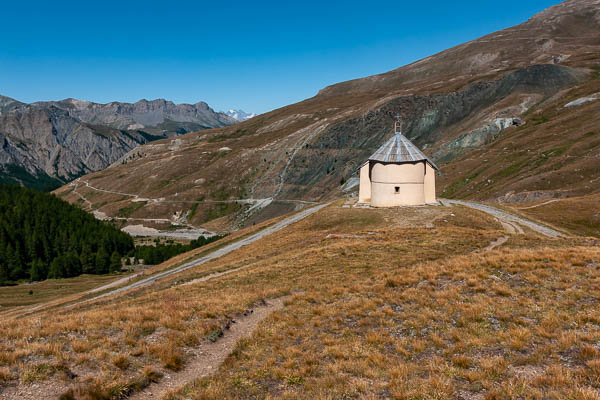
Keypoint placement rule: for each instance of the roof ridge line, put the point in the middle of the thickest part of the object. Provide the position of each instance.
(399, 149)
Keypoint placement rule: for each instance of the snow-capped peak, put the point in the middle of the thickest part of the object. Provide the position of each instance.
(240, 115)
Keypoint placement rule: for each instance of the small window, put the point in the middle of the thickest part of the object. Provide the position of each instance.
(397, 189)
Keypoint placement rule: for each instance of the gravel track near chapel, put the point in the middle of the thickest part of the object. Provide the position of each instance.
(504, 216)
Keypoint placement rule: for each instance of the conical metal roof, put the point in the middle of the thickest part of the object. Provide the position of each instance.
(398, 149)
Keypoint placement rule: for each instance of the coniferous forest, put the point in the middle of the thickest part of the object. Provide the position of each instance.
(42, 236)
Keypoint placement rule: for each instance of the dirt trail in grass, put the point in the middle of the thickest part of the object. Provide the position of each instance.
(205, 360)
(20, 311)
(34, 391)
(214, 275)
(495, 243)
(511, 227)
(507, 218)
(138, 198)
(211, 256)
(209, 356)
(255, 205)
(539, 205)
(113, 284)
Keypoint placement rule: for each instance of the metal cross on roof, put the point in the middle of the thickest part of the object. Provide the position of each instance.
(397, 124)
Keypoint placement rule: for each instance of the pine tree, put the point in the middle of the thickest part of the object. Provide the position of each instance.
(17, 268)
(57, 268)
(38, 271)
(13, 262)
(42, 235)
(115, 262)
(102, 261)
(72, 265)
(3, 272)
(88, 263)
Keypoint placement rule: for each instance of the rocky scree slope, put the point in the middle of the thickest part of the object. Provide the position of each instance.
(46, 143)
(464, 101)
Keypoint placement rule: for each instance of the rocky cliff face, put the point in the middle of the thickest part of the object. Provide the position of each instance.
(45, 143)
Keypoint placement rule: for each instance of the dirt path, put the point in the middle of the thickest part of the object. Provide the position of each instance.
(205, 360)
(507, 218)
(539, 205)
(312, 130)
(495, 243)
(90, 206)
(102, 216)
(137, 198)
(511, 227)
(255, 205)
(209, 356)
(113, 284)
(220, 252)
(21, 312)
(214, 275)
(302, 133)
(34, 391)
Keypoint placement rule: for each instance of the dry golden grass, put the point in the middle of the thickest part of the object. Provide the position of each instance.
(378, 309)
(425, 332)
(51, 289)
(5, 375)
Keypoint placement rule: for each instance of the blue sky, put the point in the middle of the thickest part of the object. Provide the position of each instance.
(253, 55)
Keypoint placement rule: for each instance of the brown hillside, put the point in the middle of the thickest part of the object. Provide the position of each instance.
(499, 98)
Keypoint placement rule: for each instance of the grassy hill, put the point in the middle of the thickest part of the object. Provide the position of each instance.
(407, 303)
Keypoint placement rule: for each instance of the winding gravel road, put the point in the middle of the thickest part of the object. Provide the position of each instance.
(504, 216)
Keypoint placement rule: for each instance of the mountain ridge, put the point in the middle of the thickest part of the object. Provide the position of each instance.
(567, 19)
(48, 142)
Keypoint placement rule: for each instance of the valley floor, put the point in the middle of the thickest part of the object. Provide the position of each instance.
(423, 302)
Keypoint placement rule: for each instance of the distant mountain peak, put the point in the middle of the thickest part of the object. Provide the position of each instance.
(6, 101)
(240, 115)
(79, 104)
(6, 98)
